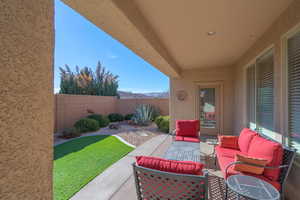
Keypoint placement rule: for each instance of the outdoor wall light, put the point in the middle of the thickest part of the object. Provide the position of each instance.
(211, 33)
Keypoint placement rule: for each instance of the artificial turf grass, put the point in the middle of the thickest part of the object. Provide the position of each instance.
(78, 161)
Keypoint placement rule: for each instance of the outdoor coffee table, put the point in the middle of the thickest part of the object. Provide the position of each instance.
(252, 187)
(183, 151)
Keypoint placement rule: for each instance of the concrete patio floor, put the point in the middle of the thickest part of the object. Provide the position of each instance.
(117, 182)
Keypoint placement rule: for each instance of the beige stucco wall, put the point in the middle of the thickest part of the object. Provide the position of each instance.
(70, 108)
(272, 37)
(188, 109)
(127, 106)
(26, 99)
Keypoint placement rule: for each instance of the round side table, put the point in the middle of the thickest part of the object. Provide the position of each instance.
(251, 187)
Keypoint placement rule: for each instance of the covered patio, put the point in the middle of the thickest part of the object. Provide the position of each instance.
(117, 182)
(231, 64)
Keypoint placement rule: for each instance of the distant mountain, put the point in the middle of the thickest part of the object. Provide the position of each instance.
(149, 95)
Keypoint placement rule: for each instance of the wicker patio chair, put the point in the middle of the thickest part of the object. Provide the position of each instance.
(158, 185)
(288, 159)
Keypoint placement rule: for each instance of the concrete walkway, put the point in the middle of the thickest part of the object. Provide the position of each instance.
(117, 181)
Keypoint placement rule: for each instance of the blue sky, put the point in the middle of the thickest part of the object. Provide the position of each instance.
(79, 42)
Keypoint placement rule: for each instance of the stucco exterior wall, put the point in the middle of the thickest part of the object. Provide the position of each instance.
(127, 106)
(272, 37)
(189, 82)
(26, 99)
(70, 108)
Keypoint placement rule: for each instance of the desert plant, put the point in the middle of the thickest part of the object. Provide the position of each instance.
(86, 125)
(128, 116)
(163, 123)
(87, 82)
(70, 133)
(101, 119)
(115, 117)
(144, 114)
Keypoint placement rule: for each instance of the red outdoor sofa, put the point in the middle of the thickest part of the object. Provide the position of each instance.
(249, 144)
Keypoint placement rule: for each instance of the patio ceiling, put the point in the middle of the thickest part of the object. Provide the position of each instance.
(172, 34)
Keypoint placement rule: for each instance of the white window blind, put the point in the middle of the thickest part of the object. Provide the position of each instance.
(251, 116)
(265, 94)
(260, 95)
(294, 91)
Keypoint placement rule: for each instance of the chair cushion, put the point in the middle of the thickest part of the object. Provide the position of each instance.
(191, 139)
(187, 139)
(245, 138)
(180, 167)
(269, 150)
(227, 141)
(226, 152)
(249, 168)
(187, 128)
(179, 138)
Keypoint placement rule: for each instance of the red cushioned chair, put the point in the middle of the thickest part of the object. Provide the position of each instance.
(157, 178)
(187, 130)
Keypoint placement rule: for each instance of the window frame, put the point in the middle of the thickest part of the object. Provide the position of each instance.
(285, 86)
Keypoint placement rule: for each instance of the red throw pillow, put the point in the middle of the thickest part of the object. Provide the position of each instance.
(187, 128)
(226, 141)
(180, 167)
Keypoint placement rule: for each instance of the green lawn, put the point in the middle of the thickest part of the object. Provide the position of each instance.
(78, 161)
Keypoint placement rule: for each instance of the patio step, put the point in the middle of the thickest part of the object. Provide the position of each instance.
(109, 182)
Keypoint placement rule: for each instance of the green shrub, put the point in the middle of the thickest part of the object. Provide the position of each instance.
(144, 114)
(86, 125)
(115, 117)
(128, 116)
(163, 123)
(70, 133)
(102, 120)
(158, 120)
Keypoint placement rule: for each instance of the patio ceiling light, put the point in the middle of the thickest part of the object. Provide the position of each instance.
(211, 33)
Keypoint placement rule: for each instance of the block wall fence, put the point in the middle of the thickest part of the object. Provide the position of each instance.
(70, 108)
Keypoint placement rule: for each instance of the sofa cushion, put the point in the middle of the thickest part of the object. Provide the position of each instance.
(249, 168)
(187, 128)
(180, 167)
(227, 141)
(245, 138)
(269, 150)
(226, 152)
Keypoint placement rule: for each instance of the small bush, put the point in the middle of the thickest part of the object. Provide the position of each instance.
(128, 116)
(158, 120)
(163, 123)
(86, 125)
(115, 117)
(102, 120)
(70, 133)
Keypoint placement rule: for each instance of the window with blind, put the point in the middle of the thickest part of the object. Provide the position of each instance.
(260, 95)
(293, 48)
(251, 116)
